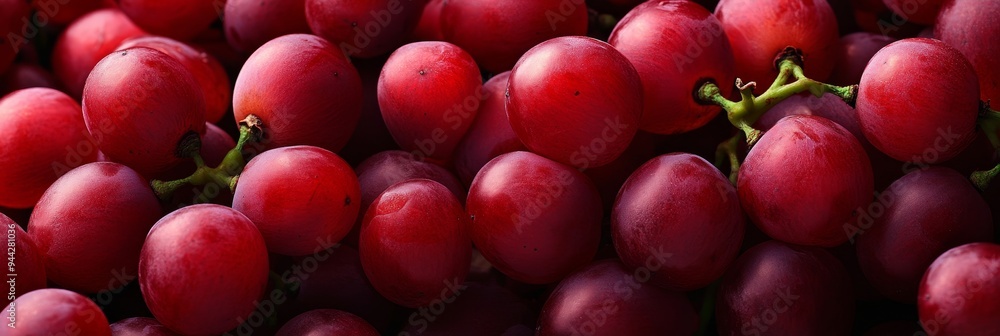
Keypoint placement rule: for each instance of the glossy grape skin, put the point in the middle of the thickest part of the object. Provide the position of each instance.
(327, 322)
(178, 19)
(479, 310)
(302, 198)
(29, 262)
(678, 217)
(85, 42)
(202, 268)
(969, 25)
(759, 30)
(497, 33)
(960, 294)
(429, 93)
(804, 180)
(534, 219)
(52, 311)
(828, 106)
(13, 11)
(490, 134)
(25, 76)
(855, 52)
(363, 29)
(927, 212)
(305, 91)
(139, 104)
(414, 243)
(605, 298)
(675, 46)
(44, 136)
(140, 326)
(207, 71)
(923, 12)
(780, 289)
(907, 117)
(249, 24)
(563, 109)
(90, 225)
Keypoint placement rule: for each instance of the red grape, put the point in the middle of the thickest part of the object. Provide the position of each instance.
(414, 244)
(140, 326)
(780, 289)
(45, 136)
(855, 52)
(804, 180)
(53, 311)
(490, 134)
(534, 219)
(478, 310)
(675, 46)
(139, 105)
(969, 26)
(207, 71)
(575, 100)
(11, 15)
(176, 19)
(605, 298)
(249, 23)
(960, 293)
(497, 33)
(927, 213)
(24, 76)
(828, 106)
(85, 42)
(305, 91)
(303, 199)
(919, 11)
(327, 322)
(680, 219)
(364, 29)
(202, 269)
(28, 261)
(429, 93)
(759, 30)
(63, 12)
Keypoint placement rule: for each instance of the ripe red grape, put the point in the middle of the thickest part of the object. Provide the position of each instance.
(534, 219)
(855, 51)
(45, 136)
(960, 293)
(675, 46)
(53, 311)
(302, 198)
(249, 24)
(11, 15)
(24, 76)
(490, 134)
(497, 33)
(207, 71)
(680, 219)
(923, 11)
(90, 226)
(85, 42)
(927, 213)
(139, 105)
(429, 93)
(918, 101)
(363, 29)
(759, 30)
(29, 263)
(804, 180)
(327, 322)
(305, 91)
(140, 326)
(606, 298)
(780, 289)
(202, 269)
(409, 224)
(969, 26)
(828, 106)
(177, 19)
(382, 170)
(575, 100)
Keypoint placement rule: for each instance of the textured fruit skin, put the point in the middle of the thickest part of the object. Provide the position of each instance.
(39, 124)
(759, 30)
(85, 42)
(804, 179)
(140, 326)
(429, 93)
(177, 19)
(210, 282)
(251, 23)
(922, 12)
(30, 263)
(302, 198)
(855, 52)
(305, 91)
(53, 311)
(631, 307)
(678, 205)
(327, 322)
(139, 104)
(497, 33)
(930, 212)
(699, 51)
(561, 107)
(960, 292)
(363, 29)
(908, 111)
(970, 26)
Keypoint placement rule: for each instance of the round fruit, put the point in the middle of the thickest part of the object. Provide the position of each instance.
(490, 134)
(960, 293)
(363, 28)
(177, 19)
(85, 42)
(327, 322)
(53, 311)
(29, 263)
(969, 25)
(140, 326)
(249, 23)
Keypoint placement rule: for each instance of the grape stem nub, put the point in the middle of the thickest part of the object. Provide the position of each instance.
(989, 122)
